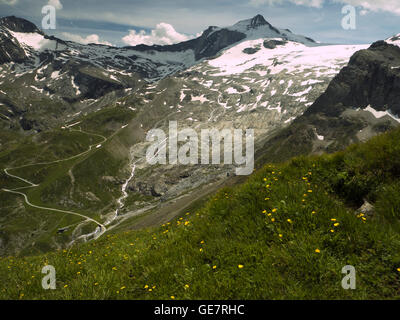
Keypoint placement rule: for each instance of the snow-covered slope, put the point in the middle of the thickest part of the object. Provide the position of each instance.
(291, 56)
(35, 41)
(394, 40)
(265, 88)
(264, 84)
(251, 66)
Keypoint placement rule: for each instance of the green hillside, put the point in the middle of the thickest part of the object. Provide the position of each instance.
(286, 233)
(63, 185)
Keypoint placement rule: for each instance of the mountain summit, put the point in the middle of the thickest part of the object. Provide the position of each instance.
(257, 21)
(258, 28)
(16, 24)
(77, 76)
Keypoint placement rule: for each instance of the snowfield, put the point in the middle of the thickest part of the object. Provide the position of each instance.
(293, 57)
(35, 41)
(394, 40)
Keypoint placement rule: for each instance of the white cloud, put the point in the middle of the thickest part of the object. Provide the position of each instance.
(163, 34)
(93, 38)
(56, 4)
(392, 6)
(9, 2)
(308, 3)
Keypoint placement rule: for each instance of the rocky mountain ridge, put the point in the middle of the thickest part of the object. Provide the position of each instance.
(62, 79)
(360, 102)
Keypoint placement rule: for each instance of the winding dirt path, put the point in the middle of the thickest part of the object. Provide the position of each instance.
(17, 191)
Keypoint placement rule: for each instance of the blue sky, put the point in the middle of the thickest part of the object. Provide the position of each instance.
(119, 22)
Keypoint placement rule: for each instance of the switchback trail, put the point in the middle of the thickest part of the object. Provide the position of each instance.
(17, 191)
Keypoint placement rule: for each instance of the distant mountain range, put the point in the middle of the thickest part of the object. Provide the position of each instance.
(73, 77)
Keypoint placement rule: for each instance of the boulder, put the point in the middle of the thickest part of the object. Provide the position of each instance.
(159, 189)
(272, 44)
(251, 50)
(367, 209)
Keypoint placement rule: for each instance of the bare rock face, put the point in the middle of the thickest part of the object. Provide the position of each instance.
(9, 50)
(371, 78)
(345, 112)
(210, 45)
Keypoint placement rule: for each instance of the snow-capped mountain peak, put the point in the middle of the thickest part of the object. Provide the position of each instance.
(258, 28)
(81, 77)
(394, 40)
(252, 23)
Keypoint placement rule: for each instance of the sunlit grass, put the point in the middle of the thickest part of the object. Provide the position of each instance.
(284, 234)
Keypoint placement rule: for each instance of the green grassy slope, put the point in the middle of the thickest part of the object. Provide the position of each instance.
(286, 233)
(32, 230)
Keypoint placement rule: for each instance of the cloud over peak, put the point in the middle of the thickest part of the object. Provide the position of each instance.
(92, 38)
(163, 34)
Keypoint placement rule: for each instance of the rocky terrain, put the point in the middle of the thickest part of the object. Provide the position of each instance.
(58, 79)
(360, 102)
(250, 75)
